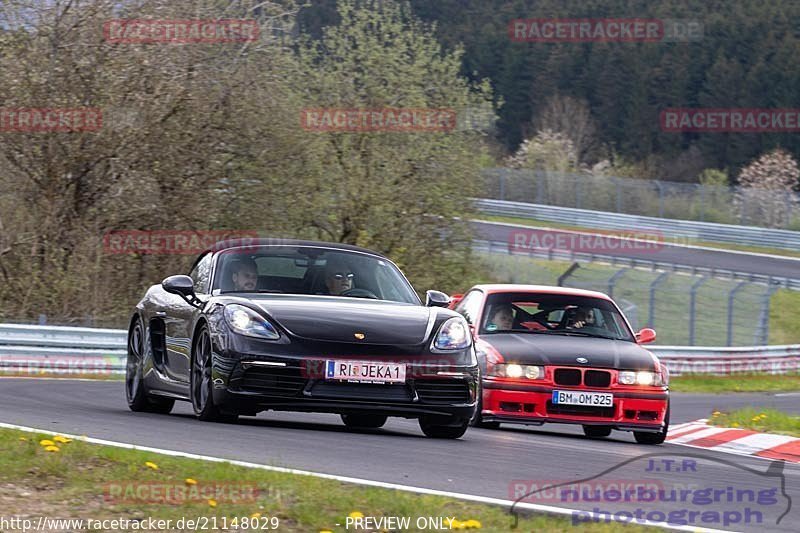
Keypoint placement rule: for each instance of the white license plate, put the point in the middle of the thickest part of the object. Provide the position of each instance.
(365, 372)
(572, 397)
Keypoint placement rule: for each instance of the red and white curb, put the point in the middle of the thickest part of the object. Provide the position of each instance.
(698, 434)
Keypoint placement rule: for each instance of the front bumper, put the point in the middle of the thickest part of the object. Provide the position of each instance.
(633, 409)
(298, 384)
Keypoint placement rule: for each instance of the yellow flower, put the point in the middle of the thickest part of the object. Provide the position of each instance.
(150, 464)
(325, 531)
(190, 481)
(212, 502)
(472, 524)
(47, 442)
(61, 439)
(356, 514)
(735, 425)
(23, 438)
(51, 449)
(457, 524)
(255, 515)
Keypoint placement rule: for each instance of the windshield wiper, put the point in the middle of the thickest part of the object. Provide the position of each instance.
(583, 334)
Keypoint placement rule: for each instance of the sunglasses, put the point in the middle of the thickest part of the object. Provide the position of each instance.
(339, 276)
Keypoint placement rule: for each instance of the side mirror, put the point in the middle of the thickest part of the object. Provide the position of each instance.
(436, 299)
(646, 335)
(183, 286)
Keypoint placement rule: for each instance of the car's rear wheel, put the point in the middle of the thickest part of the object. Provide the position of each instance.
(135, 389)
(437, 428)
(477, 420)
(644, 437)
(200, 382)
(596, 432)
(364, 421)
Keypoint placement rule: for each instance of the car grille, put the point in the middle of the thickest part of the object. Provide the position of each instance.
(567, 376)
(273, 381)
(361, 391)
(597, 378)
(442, 391)
(571, 377)
(580, 410)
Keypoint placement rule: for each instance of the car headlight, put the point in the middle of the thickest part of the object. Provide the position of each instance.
(248, 322)
(513, 370)
(453, 335)
(640, 378)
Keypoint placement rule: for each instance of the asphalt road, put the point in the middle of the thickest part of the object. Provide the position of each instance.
(493, 463)
(785, 267)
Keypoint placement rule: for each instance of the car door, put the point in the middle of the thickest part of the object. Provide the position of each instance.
(180, 322)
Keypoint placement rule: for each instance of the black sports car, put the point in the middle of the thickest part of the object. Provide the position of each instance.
(301, 326)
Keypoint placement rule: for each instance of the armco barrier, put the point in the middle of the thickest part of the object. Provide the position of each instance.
(669, 227)
(64, 350)
(724, 361)
(28, 349)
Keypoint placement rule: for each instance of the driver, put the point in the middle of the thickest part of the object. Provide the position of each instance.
(245, 275)
(338, 277)
(502, 317)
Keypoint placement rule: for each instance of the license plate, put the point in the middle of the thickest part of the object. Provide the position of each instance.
(572, 397)
(365, 372)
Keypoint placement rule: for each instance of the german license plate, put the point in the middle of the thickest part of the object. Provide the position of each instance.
(572, 397)
(365, 372)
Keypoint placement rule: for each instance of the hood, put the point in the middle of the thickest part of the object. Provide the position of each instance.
(326, 318)
(546, 349)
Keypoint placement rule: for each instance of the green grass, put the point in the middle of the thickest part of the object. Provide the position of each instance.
(744, 382)
(762, 420)
(725, 246)
(73, 483)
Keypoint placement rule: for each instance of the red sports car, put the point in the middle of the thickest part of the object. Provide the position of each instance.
(555, 354)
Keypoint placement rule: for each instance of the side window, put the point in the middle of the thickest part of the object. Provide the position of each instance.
(200, 275)
(470, 305)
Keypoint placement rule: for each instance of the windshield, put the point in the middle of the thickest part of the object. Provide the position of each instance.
(557, 314)
(311, 270)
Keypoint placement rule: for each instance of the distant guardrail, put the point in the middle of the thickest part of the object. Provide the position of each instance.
(551, 254)
(668, 227)
(31, 350)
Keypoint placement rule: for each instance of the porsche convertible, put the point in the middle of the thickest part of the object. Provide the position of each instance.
(563, 355)
(301, 326)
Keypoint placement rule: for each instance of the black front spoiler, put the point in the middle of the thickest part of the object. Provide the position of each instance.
(538, 421)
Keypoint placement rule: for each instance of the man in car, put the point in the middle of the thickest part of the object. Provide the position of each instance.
(338, 277)
(581, 317)
(245, 275)
(502, 318)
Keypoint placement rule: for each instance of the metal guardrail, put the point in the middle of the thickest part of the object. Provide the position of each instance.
(668, 227)
(30, 350)
(724, 361)
(65, 350)
(570, 255)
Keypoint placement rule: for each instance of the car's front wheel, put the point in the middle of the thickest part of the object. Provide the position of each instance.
(364, 421)
(135, 389)
(200, 382)
(443, 429)
(643, 437)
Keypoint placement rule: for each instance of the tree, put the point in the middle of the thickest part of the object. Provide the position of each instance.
(404, 193)
(766, 188)
(571, 118)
